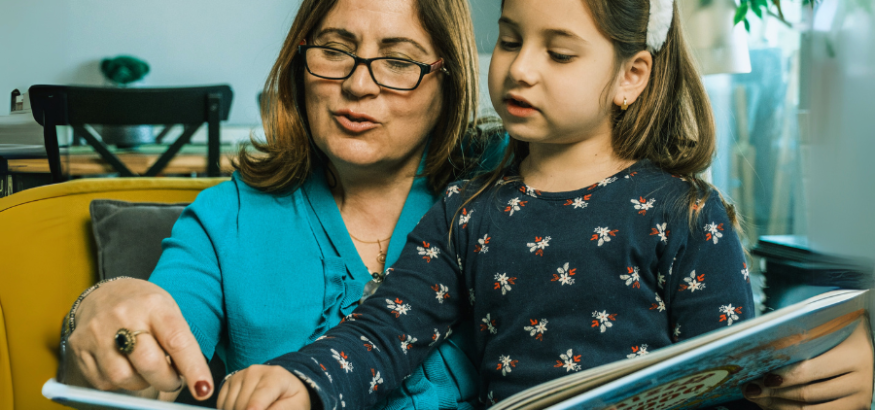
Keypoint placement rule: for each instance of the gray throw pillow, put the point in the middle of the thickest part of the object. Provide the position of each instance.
(128, 235)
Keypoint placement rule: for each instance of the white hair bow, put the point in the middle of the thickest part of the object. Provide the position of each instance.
(661, 13)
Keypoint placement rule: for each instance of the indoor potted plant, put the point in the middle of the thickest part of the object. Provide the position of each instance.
(122, 72)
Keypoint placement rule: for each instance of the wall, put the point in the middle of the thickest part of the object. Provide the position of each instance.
(190, 42)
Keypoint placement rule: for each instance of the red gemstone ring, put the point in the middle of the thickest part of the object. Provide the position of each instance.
(125, 340)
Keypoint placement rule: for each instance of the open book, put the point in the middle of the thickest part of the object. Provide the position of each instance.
(707, 370)
(703, 371)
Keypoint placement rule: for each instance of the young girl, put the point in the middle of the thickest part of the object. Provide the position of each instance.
(596, 242)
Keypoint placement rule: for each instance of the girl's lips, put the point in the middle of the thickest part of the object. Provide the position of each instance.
(355, 127)
(517, 110)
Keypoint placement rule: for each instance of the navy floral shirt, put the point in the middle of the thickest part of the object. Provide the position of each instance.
(551, 283)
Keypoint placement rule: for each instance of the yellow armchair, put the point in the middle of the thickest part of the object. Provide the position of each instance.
(47, 258)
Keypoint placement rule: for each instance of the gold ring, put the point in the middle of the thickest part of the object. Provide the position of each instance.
(125, 340)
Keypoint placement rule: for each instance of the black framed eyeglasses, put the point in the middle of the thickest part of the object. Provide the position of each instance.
(390, 72)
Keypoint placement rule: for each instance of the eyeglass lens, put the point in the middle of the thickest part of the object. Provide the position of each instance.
(328, 63)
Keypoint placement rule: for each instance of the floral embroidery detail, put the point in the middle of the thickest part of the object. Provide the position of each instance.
(441, 292)
(459, 262)
(471, 296)
(428, 252)
(661, 231)
(435, 337)
(488, 324)
(539, 245)
(603, 320)
(579, 202)
(569, 361)
(324, 370)
(514, 205)
(537, 328)
(342, 359)
(632, 278)
(698, 206)
(490, 398)
(603, 182)
(643, 205)
(342, 403)
(369, 344)
(351, 317)
(407, 342)
(503, 282)
(530, 191)
(505, 364)
(713, 232)
(376, 381)
(746, 273)
(565, 275)
(398, 307)
(676, 334)
(604, 234)
(660, 280)
(452, 189)
(465, 217)
(481, 247)
(638, 351)
(631, 175)
(659, 305)
(307, 380)
(694, 282)
(729, 313)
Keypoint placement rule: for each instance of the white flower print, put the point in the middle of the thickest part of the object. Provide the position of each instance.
(713, 232)
(643, 205)
(505, 364)
(342, 359)
(376, 381)
(465, 217)
(503, 282)
(603, 320)
(453, 189)
(565, 275)
(407, 342)
(694, 282)
(435, 337)
(539, 245)
(324, 370)
(632, 174)
(606, 181)
(441, 291)
(459, 262)
(481, 247)
(471, 297)
(449, 332)
(677, 332)
(488, 324)
(514, 205)
(729, 314)
(491, 399)
(307, 380)
(746, 273)
(638, 351)
(577, 203)
(604, 234)
(398, 307)
(537, 328)
(351, 317)
(632, 278)
(569, 361)
(660, 231)
(342, 403)
(660, 280)
(428, 252)
(659, 305)
(369, 344)
(530, 191)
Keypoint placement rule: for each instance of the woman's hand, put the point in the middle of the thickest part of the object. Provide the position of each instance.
(159, 358)
(260, 387)
(838, 379)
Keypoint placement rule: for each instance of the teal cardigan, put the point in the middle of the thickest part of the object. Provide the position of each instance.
(258, 275)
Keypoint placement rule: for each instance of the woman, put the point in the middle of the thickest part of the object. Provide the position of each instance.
(263, 264)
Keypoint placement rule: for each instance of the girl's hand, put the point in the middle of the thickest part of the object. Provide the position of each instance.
(159, 358)
(838, 379)
(260, 387)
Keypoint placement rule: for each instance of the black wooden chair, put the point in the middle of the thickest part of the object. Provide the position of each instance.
(80, 106)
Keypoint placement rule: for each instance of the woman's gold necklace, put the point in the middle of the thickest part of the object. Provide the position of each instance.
(381, 256)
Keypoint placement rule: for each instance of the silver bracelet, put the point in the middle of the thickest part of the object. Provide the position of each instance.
(70, 321)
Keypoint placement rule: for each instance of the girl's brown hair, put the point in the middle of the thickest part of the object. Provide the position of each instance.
(671, 123)
(290, 153)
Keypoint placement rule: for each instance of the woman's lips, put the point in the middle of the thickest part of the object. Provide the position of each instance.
(355, 122)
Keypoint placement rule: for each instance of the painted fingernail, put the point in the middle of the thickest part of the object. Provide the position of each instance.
(202, 388)
(752, 390)
(772, 380)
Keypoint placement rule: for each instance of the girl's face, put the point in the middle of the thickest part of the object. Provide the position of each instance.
(355, 121)
(552, 71)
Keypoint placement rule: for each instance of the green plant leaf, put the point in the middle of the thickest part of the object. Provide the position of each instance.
(741, 11)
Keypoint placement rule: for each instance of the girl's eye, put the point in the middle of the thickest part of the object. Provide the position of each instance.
(508, 45)
(561, 58)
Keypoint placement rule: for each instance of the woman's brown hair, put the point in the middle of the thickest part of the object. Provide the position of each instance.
(291, 155)
(671, 123)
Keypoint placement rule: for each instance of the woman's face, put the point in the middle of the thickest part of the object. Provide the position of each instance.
(356, 122)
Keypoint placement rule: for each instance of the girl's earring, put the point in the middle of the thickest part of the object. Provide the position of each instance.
(625, 105)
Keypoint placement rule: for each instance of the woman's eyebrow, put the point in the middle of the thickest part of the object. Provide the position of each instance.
(342, 33)
(558, 32)
(391, 41)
